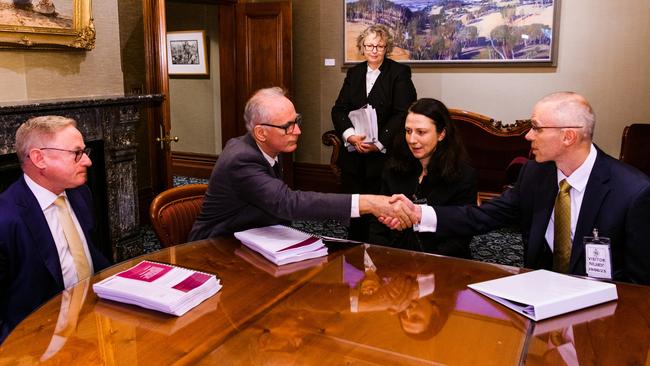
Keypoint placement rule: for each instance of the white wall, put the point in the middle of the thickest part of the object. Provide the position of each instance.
(195, 103)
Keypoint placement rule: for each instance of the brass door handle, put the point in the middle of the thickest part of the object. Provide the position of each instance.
(167, 139)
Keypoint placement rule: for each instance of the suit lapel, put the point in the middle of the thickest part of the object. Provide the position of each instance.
(31, 213)
(543, 207)
(360, 92)
(378, 88)
(251, 142)
(595, 192)
(81, 211)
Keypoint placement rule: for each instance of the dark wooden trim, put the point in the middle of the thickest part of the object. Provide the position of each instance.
(307, 176)
(315, 177)
(230, 118)
(188, 164)
(145, 196)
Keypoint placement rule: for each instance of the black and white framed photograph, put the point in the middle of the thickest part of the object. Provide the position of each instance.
(186, 53)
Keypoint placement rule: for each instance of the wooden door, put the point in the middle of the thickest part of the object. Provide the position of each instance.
(255, 51)
(264, 56)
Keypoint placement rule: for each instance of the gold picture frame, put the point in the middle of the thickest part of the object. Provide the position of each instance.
(36, 24)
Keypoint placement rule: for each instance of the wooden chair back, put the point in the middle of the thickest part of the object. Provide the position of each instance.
(635, 146)
(173, 212)
(496, 150)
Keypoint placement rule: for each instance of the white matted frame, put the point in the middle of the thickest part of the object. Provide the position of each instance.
(187, 53)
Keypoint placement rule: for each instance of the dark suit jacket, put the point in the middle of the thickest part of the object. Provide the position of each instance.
(616, 202)
(437, 192)
(391, 95)
(244, 193)
(30, 271)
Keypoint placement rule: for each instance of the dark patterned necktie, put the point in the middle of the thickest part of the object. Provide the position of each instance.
(562, 229)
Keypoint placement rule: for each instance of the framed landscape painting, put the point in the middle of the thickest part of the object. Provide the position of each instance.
(186, 53)
(46, 24)
(456, 33)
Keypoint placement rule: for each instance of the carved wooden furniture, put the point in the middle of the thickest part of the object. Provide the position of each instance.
(495, 150)
(305, 318)
(173, 212)
(635, 146)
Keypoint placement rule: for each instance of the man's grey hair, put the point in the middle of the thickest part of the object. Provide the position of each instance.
(35, 131)
(572, 109)
(256, 110)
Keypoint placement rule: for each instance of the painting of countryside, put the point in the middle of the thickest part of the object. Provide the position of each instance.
(457, 31)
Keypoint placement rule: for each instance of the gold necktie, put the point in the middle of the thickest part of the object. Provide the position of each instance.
(74, 241)
(562, 229)
(75, 297)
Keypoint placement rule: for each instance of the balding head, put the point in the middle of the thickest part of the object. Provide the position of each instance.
(570, 109)
(260, 107)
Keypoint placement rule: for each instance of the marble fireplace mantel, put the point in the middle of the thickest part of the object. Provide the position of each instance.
(112, 121)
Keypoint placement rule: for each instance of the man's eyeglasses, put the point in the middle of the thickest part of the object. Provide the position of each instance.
(288, 127)
(538, 129)
(370, 47)
(77, 153)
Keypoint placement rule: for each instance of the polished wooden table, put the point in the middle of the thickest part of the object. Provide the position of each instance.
(362, 305)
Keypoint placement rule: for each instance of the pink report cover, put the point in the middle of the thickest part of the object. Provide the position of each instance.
(158, 286)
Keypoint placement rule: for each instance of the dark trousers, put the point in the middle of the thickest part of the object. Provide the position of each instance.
(361, 173)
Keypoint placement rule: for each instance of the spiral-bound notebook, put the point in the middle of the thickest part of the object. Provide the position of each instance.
(158, 286)
(282, 244)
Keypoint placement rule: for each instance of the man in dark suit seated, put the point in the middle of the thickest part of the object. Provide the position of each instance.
(246, 189)
(602, 194)
(45, 220)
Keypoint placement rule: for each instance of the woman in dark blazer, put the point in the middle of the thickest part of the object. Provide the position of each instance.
(386, 86)
(428, 167)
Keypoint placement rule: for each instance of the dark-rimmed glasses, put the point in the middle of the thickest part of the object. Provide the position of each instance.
(370, 47)
(288, 127)
(538, 129)
(77, 153)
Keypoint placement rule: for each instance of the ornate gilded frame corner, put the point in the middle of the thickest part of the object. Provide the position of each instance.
(24, 32)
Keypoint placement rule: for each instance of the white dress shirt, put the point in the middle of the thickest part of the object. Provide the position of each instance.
(354, 208)
(46, 200)
(371, 78)
(578, 181)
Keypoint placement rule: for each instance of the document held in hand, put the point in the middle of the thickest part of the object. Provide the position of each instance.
(364, 121)
(543, 294)
(158, 286)
(282, 244)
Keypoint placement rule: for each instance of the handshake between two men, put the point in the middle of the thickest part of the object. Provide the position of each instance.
(396, 211)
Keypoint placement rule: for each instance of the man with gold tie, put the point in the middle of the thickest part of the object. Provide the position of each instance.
(46, 219)
(569, 192)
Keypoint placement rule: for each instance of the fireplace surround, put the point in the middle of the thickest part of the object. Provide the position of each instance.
(108, 125)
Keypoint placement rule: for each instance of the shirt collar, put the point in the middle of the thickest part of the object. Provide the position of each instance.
(579, 178)
(44, 197)
(371, 71)
(268, 158)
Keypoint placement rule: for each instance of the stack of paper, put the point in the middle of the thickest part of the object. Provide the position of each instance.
(364, 121)
(261, 263)
(543, 294)
(158, 286)
(282, 244)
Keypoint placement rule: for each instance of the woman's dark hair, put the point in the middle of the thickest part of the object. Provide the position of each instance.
(449, 153)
